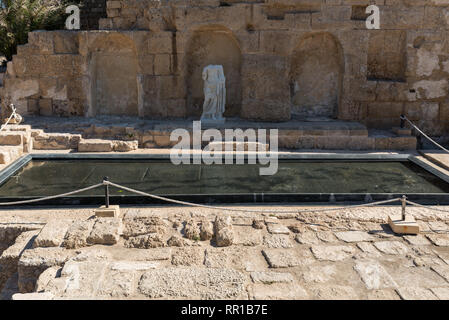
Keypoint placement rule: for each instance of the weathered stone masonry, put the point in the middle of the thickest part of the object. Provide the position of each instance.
(283, 60)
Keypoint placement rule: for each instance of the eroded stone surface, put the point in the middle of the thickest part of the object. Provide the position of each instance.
(353, 236)
(441, 240)
(52, 234)
(391, 247)
(332, 253)
(77, 233)
(271, 277)
(277, 291)
(201, 283)
(277, 241)
(373, 275)
(415, 293)
(283, 258)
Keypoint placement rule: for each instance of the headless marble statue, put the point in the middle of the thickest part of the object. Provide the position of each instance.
(214, 94)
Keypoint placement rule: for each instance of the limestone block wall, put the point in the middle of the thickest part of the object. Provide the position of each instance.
(283, 59)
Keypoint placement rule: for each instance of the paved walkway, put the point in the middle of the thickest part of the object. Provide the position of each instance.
(351, 254)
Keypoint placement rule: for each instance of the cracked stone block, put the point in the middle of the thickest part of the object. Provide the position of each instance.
(369, 249)
(176, 241)
(284, 258)
(277, 291)
(95, 145)
(125, 146)
(353, 236)
(427, 261)
(206, 230)
(319, 274)
(417, 240)
(10, 257)
(83, 279)
(35, 261)
(442, 271)
(192, 230)
(117, 284)
(441, 293)
(232, 258)
(188, 257)
(277, 241)
(276, 228)
(270, 277)
(247, 236)
(155, 254)
(335, 293)
(193, 283)
(224, 233)
(146, 241)
(48, 275)
(374, 276)
(438, 226)
(105, 231)
(77, 233)
(391, 247)
(141, 225)
(326, 236)
(307, 237)
(52, 234)
(382, 294)
(440, 240)
(258, 224)
(332, 253)
(415, 293)
(133, 265)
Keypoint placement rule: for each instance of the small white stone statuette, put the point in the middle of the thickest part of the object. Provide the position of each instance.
(214, 94)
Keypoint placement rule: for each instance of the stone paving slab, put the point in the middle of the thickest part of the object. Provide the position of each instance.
(336, 259)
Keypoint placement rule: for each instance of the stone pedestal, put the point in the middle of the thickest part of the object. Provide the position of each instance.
(111, 212)
(407, 226)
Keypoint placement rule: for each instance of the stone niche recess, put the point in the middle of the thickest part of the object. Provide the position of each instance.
(316, 77)
(213, 45)
(113, 71)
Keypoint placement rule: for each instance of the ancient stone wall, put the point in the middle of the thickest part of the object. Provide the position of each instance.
(283, 59)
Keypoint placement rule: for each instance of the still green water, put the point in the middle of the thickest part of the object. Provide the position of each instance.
(43, 178)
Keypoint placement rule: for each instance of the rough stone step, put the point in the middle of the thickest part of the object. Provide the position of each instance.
(17, 136)
(100, 145)
(10, 257)
(55, 141)
(10, 153)
(349, 143)
(9, 138)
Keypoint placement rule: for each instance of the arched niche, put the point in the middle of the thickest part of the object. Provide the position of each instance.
(316, 77)
(213, 45)
(113, 70)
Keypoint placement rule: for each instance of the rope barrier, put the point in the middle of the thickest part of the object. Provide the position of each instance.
(425, 135)
(246, 210)
(426, 207)
(191, 204)
(14, 115)
(51, 197)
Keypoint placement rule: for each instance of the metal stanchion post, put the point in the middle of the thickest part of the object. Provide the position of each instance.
(106, 192)
(404, 203)
(402, 121)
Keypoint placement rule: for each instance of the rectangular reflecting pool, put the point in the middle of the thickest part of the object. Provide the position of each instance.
(297, 180)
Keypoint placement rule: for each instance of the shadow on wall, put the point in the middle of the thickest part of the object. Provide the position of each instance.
(113, 69)
(215, 45)
(316, 77)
